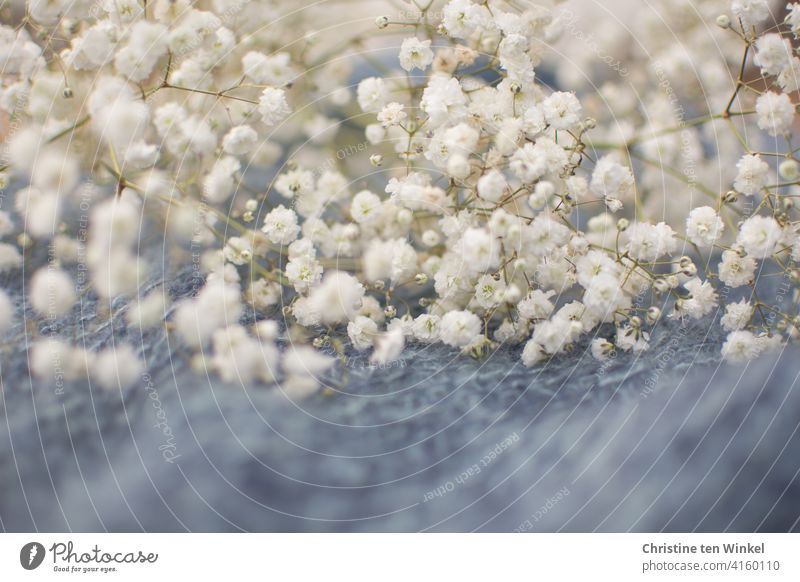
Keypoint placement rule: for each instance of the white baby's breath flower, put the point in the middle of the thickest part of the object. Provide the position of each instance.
(239, 140)
(273, 107)
(602, 349)
(497, 206)
(605, 296)
(556, 334)
(536, 305)
(750, 12)
(295, 183)
(648, 242)
(737, 315)
(220, 181)
(561, 110)
(262, 294)
(489, 291)
(366, 207)
(736, 270)
(793, 17)
(443, 100)
(52, 292)
(116, 367)
(6, 224)
(492, 186)
(217, 304)
(239, 357)
(362, 332)
(701, 301)
(303, 367)
(741, 346)
(415, 53)
(303, 272)
(772, 53)
(775, 113)
(388, 347)
(459, 328)
(280, 225)
(267, 70)
(426, 327)
(149, 311)
(237, 251)
(704, 226)
(10, 258)
(610, 179)
(373, 94)
(632, 339)
(592, 264)
(532, 354)
(336, 298)
(759, 236)
(392, 114)
(480, 251)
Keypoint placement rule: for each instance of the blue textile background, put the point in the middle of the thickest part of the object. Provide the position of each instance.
(669, 440)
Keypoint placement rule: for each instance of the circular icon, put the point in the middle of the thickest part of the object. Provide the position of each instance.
(31, 555)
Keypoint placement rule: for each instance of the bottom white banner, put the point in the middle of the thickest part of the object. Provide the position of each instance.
(401, 557)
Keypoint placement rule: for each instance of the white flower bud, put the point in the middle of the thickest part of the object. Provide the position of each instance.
(512, 294)
(729, 197)
(405, 217)
(537, 200)
(661, 285)
(789, 170)
(431, 238)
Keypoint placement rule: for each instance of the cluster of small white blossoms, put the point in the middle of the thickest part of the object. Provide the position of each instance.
(483, 208)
